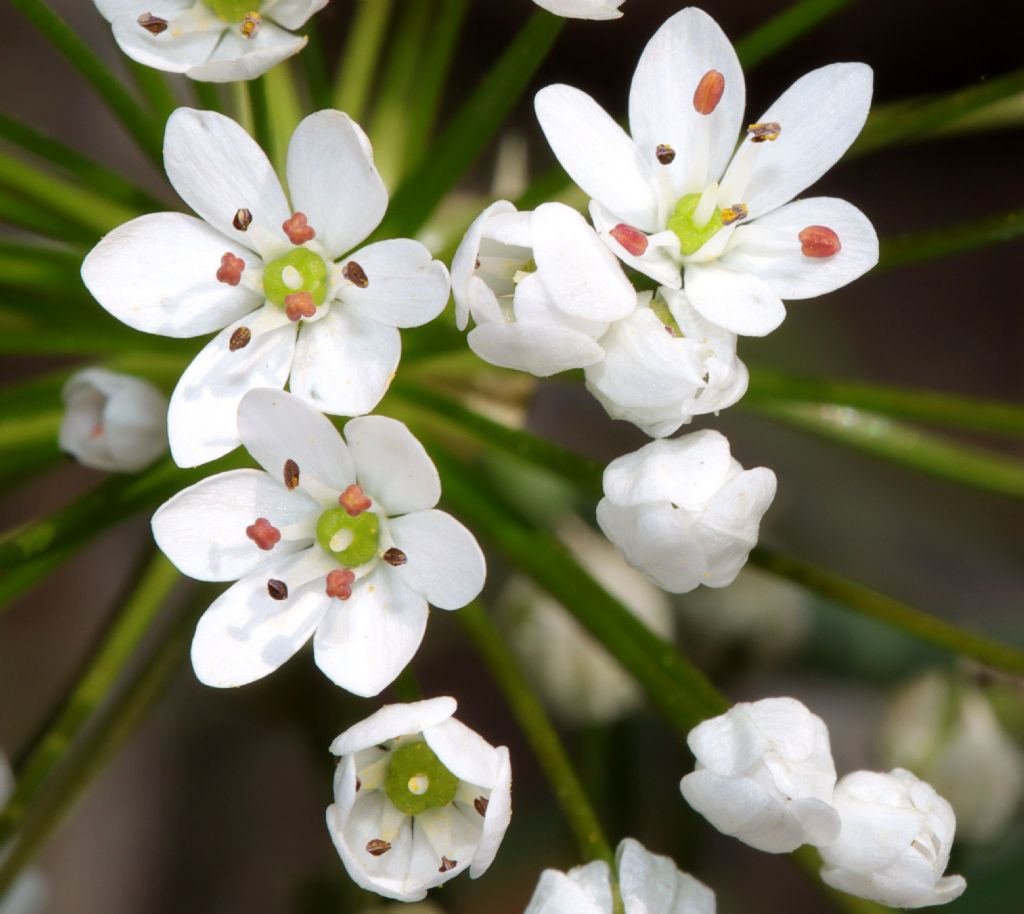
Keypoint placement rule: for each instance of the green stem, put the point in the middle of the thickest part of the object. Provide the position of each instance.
(359, 61)
(284, 111)
(29, 431)
(785, 28)
(24, 577)
(314, 68)
(208, 96)
(259, 109)
(100, 675)
(893, 612)
(18, 212)
(143, 127)
(155, 89)
(38, 268)
(933, 244)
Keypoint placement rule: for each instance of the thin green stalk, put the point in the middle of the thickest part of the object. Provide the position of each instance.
(933, 244)
(155, 89)
(108, 662)
(284, 111)
(314, 68)
(24, 577)
(24, 215)
(867, 602)
(144, 128)
(359, 60)
(38, 268)
(785, 28)
(208, 96)
(29, 431)
(259, 110)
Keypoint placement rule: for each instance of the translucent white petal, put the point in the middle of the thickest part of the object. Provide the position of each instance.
(539, 349)
(657, 883)
(464, 264)
(497, 818)
(557, 893)
(175, 50)
(656, 262)
(583, 9)
(534, 302)
(238, 57)
(464, 752)
(738, 301)
(391, 721)
(292, 14)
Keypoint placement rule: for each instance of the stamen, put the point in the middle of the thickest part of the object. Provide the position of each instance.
(230, 270)
(735, 213)
(278, 590)
(359, 784)
(819, 241)
(354, 500)
(297, 229)
(339, 583)
(447, 864)
(355, 274)
(394, 556)
(240, 339)
(97, 431)
(480, 805)
(291, 277)
(251, 24)
(291, 474)
(152, 24)
(264, 534)
(664, 154)
(378, 847)
(767, 132)
(299, 305)
(709, 92)
(242, 220)
(632, 239)
(706, 205)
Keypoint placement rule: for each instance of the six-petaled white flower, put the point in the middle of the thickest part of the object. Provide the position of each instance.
(418, 798)
(765, 775)
(209, 40)
(583, 9)
(674, 196)
(683, 511)
(895, 843)
(113, 421)
(272, 275)
(335, 537)
(648, 883)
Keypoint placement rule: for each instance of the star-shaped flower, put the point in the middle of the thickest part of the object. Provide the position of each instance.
(674, 197)
(271, 273)
(209, 40)
(341, 539)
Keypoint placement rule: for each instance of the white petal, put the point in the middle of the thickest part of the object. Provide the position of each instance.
(820, 115)
(539, 349)
(497, 818)
(534, 302)
(366, 641)
(583, 9)
(175, 50)
(657, 883)
(344, 362)
(247, 634)
(238, 57)
(202, 419)
(218, 169)
(391, 721)
(656, 262)
(465, 260)
(445, 563)
(407, 287)
(158, 274)
(598, 155)
(333, 181)
(661, 110)
(557, 893)
(392, 466)
(276, 427)
(464, 752)
(166, 9)
(202, 529)
(292, 13)
(770, 248)
(737, 301)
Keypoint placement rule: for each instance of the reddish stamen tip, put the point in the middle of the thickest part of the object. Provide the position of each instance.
(480, 805)
(709, 92)
(298, 305)
(278, 590)
(297, 229)
(447, 864)
(633, 240)
(339, 583)
(242, 220)
(152, 24)
(240, 339)
(354, 500)
(264, 534)
(230, 270)
(378, 847)
(819, 241)
(355, 274)
(97, 430)
(291, 474)
(664, 153)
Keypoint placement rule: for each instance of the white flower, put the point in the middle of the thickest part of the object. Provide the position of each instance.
(418, 798)
(209, 40)
(269, 273)
(665, 364)
(113, 421)
(540, 286)
(765, 775)
(574, 672)
(649, 884)
(336, 538)
(674, 196)
(895, 843)
(683, 511)
(583, 9)
(946, 730)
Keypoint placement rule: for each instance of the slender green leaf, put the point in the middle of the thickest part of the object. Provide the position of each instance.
(943, 242)
(284, 111)
(314, 68)
(155, 89)
(785, 28)
(259, 111)
(208, 96)
(18, 212)
(361, 55)
(33, 267)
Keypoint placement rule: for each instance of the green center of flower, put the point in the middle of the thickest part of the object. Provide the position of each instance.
(417, 781)
(692, 236)
(352, 541)
(233, 10)
(300, 270)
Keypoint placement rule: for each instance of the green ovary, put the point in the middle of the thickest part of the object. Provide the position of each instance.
(233, 10)
(279, 281)
(692, 237)
(417, 781)
(352, 541)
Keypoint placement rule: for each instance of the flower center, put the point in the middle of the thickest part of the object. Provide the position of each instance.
(233, 10)
(417, 781)
(350, 540)
(298, 273)
(693, 224)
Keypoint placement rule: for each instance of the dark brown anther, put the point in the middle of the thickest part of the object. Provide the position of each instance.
(359, 785)
(764, 133)
(291, 474)
(230, 269)
(447, 865)
(278, 590)
(709, 92)
(152, 24)
(665, 154)
(735, 213)
(819, 241)
(355, 274)
(395, 556)
(378, 847)
(299, 305)
(297, 229)
(242, 220)
(240, 338)
(480, 805)
(633, 240)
